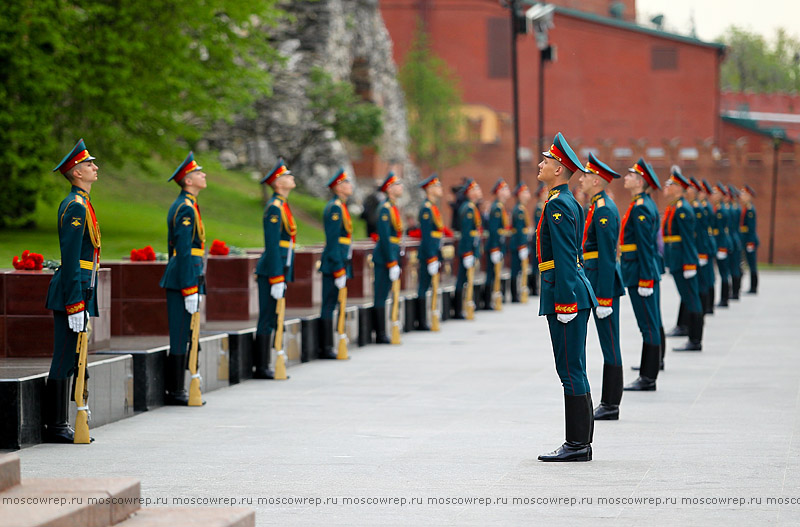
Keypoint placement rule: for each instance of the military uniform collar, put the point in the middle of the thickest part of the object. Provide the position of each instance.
(601, 194)
(79, 191)
(278, 197)
(556, 190)
(640, 195)
(189, 195)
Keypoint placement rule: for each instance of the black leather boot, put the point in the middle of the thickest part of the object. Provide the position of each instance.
(681, 328)
(724, 291)
(646, 382)
(579, 421)
(515, 290)
(56, 406)
(326, 338)
(533, 283)
(753, 283)
(380, 326)
(662, 348)
(608, 409)
(261, 355)
(709, 310)
(458, 304)
(422, 314)
(174, 380)
(736, 284)
(695, 342)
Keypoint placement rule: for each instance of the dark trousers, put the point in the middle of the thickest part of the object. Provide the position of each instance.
(646, 310)
(65, 341)
(382, 286)
(267, 319)
(569, 350)
(724, 269)
(424, 280)
(330, 297)
(608, 333)
(735, 262)
(179, 322)
(461, 279)
(689, 291)
(657, 295)
(752, 261)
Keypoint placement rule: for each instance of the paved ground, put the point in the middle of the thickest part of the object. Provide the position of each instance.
(462, 415)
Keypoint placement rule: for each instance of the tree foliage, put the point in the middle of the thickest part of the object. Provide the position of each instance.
(752, 63)
(434, 100)
(129, 77)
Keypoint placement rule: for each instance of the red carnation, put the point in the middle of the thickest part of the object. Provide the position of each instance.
(17, 264)
(219, 248)
(374, 237)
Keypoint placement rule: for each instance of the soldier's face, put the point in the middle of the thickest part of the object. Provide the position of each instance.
(396, 190)
(435, 191)
(345, 188)
(548, 170)
(524, 196)
(633, 180)
(504, 193)
(197, 179)
(87, 171)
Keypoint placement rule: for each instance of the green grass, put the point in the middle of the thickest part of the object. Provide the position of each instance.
(132, 202)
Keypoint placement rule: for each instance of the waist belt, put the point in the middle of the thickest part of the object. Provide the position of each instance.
(285, 243)
(591, 255)
(473, 233)
(197, 252)
(394, 239)
(436, 234)
(672, 239)
(345, 240)
(86, 264)
(627, 248)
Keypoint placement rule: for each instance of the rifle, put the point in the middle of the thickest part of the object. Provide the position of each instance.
(81, 436)
(470, 307)
(396, 312)
(280, 356)
(342, 352)
(434, 303)
(195, 397)
(497, 297)
(524, 282)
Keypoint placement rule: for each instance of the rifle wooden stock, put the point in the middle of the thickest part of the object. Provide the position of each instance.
(342, 351)
(81, 393)
(396, 312)
(195, 397)
(497, 297)
(524, 290)
(280, 356)
(435, 303)
(469, 309)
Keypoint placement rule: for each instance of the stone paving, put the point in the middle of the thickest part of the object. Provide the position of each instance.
(445, 430)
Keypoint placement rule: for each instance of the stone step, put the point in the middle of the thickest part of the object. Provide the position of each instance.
(68, 502)
(9, 471)
(185, 517)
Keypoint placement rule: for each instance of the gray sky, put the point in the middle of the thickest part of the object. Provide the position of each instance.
(712, 17)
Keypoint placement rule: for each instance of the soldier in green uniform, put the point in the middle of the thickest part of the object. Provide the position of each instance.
(722, 241)
(706, 242)
(71, 295)
(470, 225)
(386, 256)
(599, 245)
(639, 264)
(566, 297)
(658, 253)
(275, 268)
(520, 239)
(747, 229)
(681, 255)
(430, 246)
(184, 276)
(541, 197)
(735, 255)
(336, 265)
(496, 240)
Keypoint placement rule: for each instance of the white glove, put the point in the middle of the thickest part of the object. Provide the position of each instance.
(523, 253)
(703, 261)
(645, 291)
(77, 321)
(191, 302)
(564, 319)
(750, 248)
(603, 311)
(496, 257)
(469, 261)
(394, 272)
(433, 268)
(277, 290)
(690, 273)
(721, 255)
(340, 282)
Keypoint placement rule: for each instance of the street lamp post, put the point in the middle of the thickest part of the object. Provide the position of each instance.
(515, 88)
(776, 145)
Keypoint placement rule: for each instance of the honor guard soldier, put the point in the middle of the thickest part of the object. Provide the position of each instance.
(735, 256)
(722, 241)
(520, 240)
(496, 242)
(71, 295)
(709, 247)
(470, 225)
(430, 247)
(275, 268)
(747, 230)
(639, 265)
(680, 253)
(184, 276)
(336, 266)
(541, 197)
(566, 296)
(599, 245)
(386, 256)
(658, 253)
